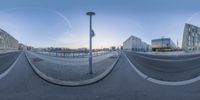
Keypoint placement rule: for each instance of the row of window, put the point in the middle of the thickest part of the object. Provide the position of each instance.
(7, 41)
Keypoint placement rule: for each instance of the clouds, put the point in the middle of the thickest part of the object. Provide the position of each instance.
(42, 24)
(194, 19)
(30, 25)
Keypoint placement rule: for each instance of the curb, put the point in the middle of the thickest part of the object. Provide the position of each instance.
(10, 68)
(73, 83)
(160, 82)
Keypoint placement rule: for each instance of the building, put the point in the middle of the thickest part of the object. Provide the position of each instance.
(135, 44)
(191, 38)
(163, 44)
(7, 42)
(145, 47)
(30, 48)
(82, 50)
(105, 49)
(113, 48)
(22, 46)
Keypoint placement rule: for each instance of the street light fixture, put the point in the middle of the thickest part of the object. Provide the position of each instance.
(91, 34)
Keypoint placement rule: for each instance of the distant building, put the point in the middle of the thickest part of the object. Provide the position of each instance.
(82, 49)
(191, 38)
(105, 49)
(135, 44)
(7, 42)
(163, 44)
(30, 48)
(121, 47)
(112, 48)
(22, 46)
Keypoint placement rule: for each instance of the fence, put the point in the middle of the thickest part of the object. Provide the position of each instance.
(72, 54)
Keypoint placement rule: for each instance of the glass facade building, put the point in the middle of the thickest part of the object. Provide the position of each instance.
(163, 44)
(191, 38)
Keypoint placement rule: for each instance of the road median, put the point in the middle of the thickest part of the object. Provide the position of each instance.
(55, 73)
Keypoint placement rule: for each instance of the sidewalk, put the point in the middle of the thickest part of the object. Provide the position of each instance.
(71, 72)
(7, 51)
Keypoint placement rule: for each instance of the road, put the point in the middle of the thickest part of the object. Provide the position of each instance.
(173, 68)
(122, 84)
(7, 59)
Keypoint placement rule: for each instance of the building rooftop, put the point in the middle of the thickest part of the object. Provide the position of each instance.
(161, 39)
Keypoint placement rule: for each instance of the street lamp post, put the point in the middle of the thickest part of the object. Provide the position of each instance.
(162, 44)
(90, 41)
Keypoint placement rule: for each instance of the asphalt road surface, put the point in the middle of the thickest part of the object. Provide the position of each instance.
(171, 57)
(7, 59)
(177, 68)
(122, 84)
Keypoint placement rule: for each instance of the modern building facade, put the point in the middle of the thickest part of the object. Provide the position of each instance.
(7, 42)
(135, 44)
(163, 44)
(191, 38)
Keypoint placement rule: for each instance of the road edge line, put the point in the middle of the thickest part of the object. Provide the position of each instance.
(160, 82)
(10, 68)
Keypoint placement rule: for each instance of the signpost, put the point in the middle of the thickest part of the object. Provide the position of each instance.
(91, 34)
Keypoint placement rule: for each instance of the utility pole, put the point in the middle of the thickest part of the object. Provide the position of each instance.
(91, 34)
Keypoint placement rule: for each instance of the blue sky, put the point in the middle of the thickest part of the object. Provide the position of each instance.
(63, 23)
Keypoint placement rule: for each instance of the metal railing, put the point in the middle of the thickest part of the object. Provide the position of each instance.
(72, 54)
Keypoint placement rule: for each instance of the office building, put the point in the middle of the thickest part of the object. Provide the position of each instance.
(135, 44)
(7, 42)
(163, 44)
(191, 38)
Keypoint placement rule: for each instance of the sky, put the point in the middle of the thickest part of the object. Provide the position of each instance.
(64, 23)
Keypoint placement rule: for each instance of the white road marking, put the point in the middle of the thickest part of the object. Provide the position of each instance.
(10, 68)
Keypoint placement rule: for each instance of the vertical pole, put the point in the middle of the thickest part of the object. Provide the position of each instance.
(162, 43)
(90, 41)
(90, 45)
(193, 42)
